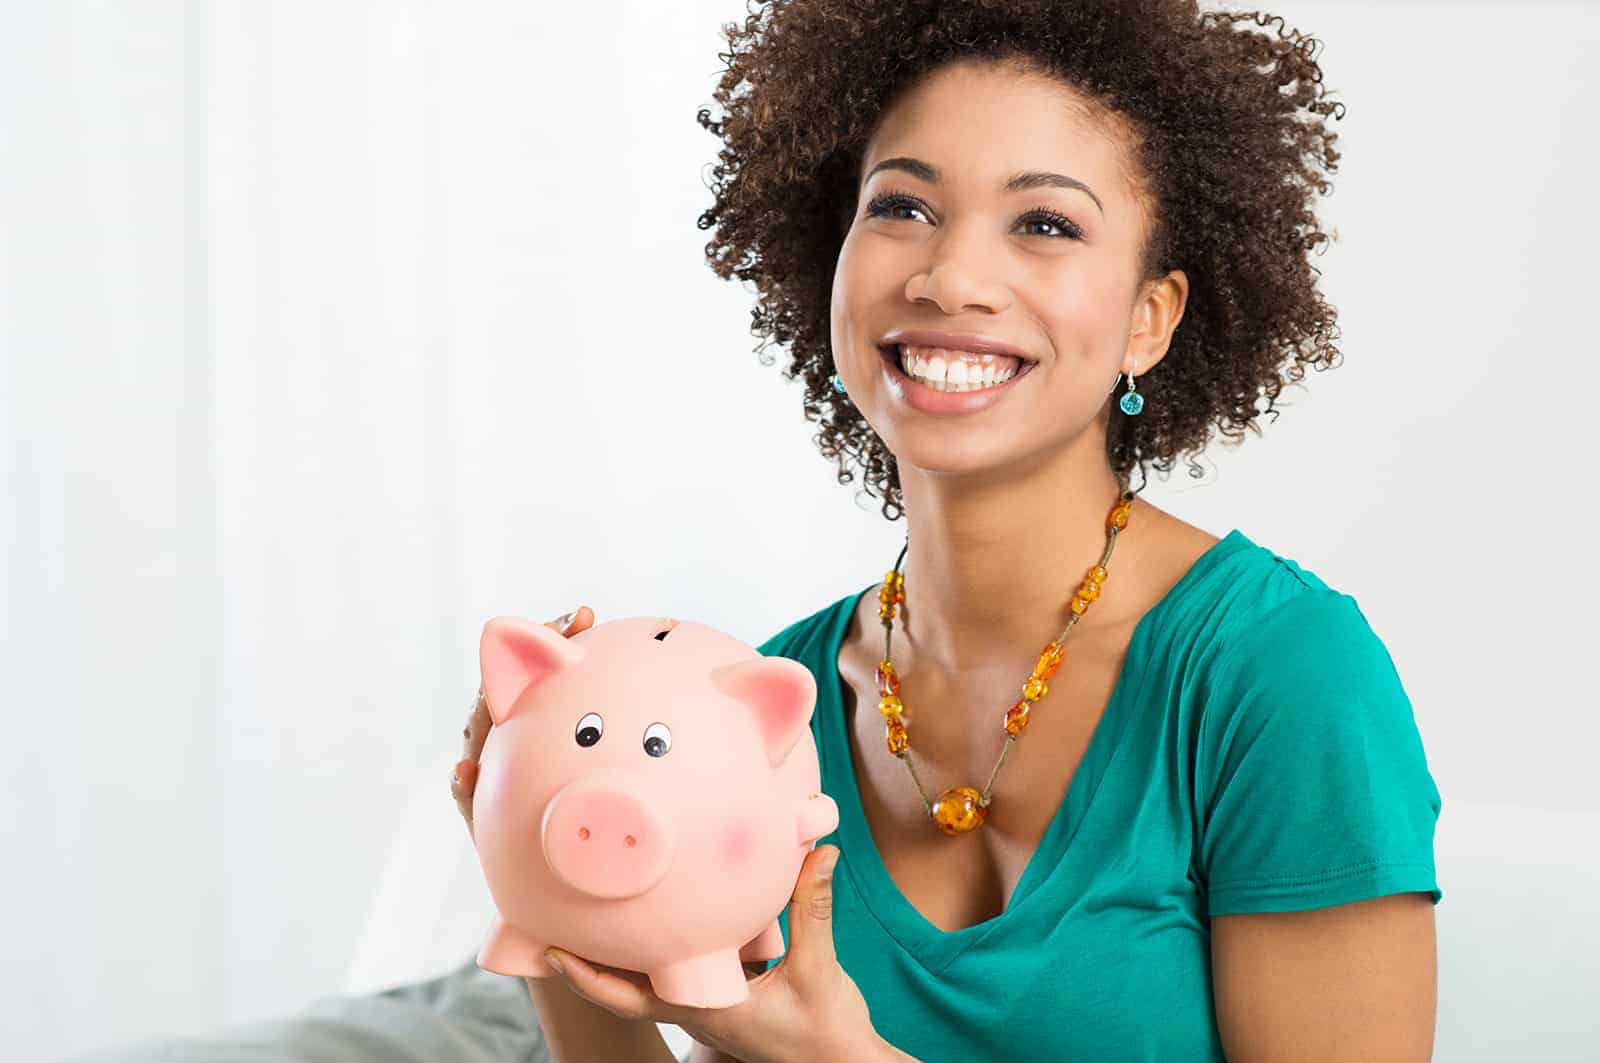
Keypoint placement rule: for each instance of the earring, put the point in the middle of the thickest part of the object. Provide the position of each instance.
(838, 385)
(1132, 402)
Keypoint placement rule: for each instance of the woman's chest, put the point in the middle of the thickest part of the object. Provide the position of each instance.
(959, 881)
(1048, 921)
(1091, 976)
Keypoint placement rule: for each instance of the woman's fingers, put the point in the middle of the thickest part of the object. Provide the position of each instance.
(626, 994)
(463, 780)
(464, 775)
(811, 912)
(580, 619)
(476, 731)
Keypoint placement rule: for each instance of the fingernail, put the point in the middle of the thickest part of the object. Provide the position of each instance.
(565, 619)
(828, 860)
(554, 960)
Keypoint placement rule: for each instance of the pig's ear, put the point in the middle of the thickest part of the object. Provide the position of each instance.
(514, 654)
(779, 692)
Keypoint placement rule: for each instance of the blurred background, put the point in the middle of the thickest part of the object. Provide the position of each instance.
(329, 330)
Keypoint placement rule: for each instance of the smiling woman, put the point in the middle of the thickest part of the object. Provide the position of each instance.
(971, 225)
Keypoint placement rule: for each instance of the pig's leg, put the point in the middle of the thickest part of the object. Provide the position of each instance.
(715, 980)
(767, 945)
(510, 951)
(818, 816)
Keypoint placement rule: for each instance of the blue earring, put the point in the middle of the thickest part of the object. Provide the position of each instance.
(1132, 402)
(838, 385)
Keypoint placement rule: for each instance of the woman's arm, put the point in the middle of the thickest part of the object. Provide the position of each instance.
(882, 1053)
(1354, 981)
(575, 1029)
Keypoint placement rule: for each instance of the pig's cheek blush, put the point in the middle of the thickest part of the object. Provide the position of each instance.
(737, 845)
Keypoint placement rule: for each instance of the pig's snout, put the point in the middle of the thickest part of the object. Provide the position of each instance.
(605, 842)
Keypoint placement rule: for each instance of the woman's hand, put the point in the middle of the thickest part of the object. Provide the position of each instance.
(805, 1008)
(464, 776)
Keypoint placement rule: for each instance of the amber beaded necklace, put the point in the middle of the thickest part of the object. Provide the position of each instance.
(961, 808)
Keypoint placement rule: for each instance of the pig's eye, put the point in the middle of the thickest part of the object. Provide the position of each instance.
(657, 740)
(589, 729)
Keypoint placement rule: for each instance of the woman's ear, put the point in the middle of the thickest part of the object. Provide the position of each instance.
(1156, 314)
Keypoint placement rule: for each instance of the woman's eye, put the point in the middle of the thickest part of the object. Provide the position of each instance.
(885, 205)
(657, 739)
(590, 728)
(1069, 228)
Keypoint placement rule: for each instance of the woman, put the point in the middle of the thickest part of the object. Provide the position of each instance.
(1123, 789)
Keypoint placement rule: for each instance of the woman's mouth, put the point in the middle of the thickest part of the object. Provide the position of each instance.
(941, 381)
(946, 369)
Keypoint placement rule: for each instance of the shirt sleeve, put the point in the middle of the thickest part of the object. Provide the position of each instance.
(780, 643)
(1316, 787)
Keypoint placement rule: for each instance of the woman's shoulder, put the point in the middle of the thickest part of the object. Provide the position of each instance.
(1275, 624)
(1241, 585)
(1270, 576)
(807, 634)
(1248, 615)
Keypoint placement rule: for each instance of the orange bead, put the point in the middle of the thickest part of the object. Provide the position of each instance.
(888, 681)
(890, 705)
(895, 736)
(1049, 660)
(1097, 574)
(1119, 515)
(1017, 718)
(1089, 591)
(1035, 688)
(957, 811)
(1079, 606)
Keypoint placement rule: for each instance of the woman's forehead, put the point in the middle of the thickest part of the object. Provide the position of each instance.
(985, 123)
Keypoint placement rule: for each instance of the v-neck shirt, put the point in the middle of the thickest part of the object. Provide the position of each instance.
(1258, 753)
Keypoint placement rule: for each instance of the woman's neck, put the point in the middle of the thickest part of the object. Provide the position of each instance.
(992, 564)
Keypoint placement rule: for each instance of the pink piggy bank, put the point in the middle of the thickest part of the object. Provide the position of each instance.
(645, 800)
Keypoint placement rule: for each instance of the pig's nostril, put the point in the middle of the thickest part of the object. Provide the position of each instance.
(630, 841)
(583, 832)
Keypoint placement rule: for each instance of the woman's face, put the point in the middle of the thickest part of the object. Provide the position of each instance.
(939, 242)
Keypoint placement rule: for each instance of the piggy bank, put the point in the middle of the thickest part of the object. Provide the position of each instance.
(645, 800)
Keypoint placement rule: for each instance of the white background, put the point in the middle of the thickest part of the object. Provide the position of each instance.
(328, 330)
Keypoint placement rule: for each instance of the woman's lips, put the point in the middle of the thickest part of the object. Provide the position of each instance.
(919, 396)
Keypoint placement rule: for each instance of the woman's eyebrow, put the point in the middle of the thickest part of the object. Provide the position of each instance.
(1018, 183)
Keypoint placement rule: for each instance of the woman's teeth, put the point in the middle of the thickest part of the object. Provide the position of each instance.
(948, 370)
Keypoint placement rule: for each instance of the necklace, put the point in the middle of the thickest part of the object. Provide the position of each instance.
(961, 808)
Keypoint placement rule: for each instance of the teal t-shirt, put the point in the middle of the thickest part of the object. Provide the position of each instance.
(1257, 754)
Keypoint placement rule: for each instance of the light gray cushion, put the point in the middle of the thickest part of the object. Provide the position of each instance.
(467, 1016)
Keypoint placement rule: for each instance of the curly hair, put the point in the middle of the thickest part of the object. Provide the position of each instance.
(1231, 145)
